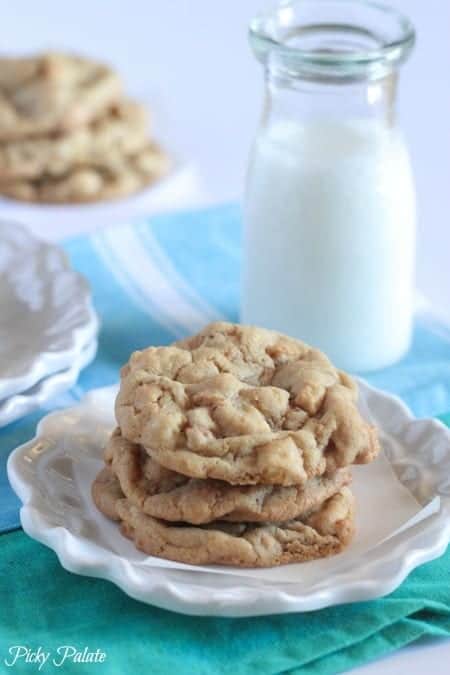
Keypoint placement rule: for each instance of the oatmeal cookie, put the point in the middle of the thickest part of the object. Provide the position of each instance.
(103, 143)
(53, 92)
(320, 533)
(244, 405)
(106, 493)
(168, 495)
(90, 183)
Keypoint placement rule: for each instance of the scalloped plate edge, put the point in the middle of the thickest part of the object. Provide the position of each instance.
(426, 541)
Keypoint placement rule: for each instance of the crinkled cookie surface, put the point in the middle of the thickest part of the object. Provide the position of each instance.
(243, 405)
(120, 131)
(53, 92)
(320, 533)
(168, 495)
(93, 182)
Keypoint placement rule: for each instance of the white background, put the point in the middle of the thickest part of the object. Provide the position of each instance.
(191, 59)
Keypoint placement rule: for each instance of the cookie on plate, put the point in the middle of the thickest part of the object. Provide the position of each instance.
(92, 182)
(320, 533)
(106, 493)
(170, 496)
(244, 405)
(103, 143)
(53, 93)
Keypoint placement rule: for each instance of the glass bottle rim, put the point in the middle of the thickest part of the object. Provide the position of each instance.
(332, 39)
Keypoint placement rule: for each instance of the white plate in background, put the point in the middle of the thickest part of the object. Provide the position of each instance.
(47, 315)
(22, 404)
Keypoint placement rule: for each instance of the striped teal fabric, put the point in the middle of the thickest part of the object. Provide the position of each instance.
(167, 276)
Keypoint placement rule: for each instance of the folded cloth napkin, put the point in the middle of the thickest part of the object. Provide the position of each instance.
(50, 608)
(154, 281)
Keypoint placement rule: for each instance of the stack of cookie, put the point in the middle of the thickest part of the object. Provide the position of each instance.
(67, 134)
(234, 447)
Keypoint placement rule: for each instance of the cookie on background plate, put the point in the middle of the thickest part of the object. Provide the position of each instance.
(168, 495)
(322, 532)
(244, 405)
(121, 131)
(53, 93)
(91, 182)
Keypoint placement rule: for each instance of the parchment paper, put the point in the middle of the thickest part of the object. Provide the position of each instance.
(384, 508)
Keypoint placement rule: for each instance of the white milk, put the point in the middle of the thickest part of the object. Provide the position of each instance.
(330, 239)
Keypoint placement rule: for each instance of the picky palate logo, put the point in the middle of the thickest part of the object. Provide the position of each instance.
(39, 657)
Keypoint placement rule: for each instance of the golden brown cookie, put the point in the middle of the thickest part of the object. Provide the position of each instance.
(244, 405)
(53, 92)
(320, 533)
(90, 183)
(162, 493)
(103, 143)
(106, 493)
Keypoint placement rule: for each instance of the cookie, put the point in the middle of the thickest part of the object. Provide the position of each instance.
(90, 183)
(106, 493)
(320, 533)
(244, 405)
(162, 493)
(53, 92)
(103, 143)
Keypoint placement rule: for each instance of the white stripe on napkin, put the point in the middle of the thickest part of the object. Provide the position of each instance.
(120, 274)
(180, 285)
(133, 267)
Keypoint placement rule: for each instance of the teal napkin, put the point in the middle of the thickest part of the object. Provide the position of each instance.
(50, 607)
(154, 281)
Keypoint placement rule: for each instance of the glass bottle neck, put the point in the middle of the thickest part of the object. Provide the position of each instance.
(302, 100)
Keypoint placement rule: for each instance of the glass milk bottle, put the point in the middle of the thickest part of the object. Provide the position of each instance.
(330, 205)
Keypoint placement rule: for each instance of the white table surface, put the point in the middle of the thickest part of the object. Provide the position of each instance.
(191, 61)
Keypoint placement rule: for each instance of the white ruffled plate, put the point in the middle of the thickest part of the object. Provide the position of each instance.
(19, 405)
(47, 315)
(52, 475)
